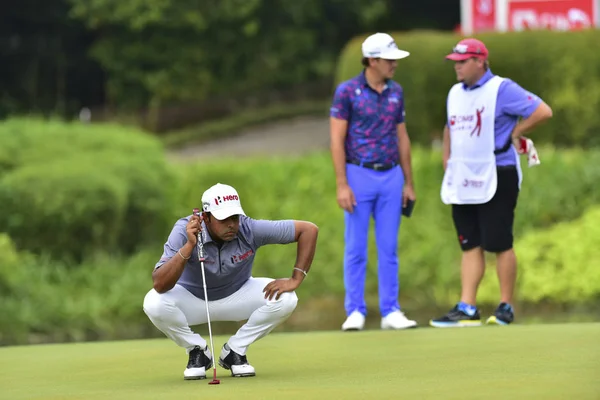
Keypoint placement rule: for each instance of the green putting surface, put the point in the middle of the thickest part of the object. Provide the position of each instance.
(523, 362)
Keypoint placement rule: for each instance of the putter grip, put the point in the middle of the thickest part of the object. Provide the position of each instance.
(200, 244)
(200, 248)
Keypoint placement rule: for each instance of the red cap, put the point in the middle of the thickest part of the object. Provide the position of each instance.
(468, 48)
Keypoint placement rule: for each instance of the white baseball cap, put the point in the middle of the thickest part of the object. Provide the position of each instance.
(382, 45)
(222, 201)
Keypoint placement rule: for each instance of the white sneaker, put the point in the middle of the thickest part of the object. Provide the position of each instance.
(199, 361)
(354, 322)
(397, 320)
(235, 362)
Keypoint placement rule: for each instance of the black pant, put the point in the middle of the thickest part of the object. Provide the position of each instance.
(489, 225)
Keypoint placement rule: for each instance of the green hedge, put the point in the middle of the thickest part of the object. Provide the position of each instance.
(558, 263)
(561, 67)
(43, 299)
(32, 140)
(69, 190)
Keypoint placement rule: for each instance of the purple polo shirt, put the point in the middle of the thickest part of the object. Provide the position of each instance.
(372, 119)
(229, 266)
(513, 102)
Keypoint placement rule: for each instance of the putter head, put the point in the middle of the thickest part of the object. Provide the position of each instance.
(215, 381)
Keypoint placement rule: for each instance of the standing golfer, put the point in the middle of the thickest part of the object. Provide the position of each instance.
(483, 175)
(370, 149)
(231, 240)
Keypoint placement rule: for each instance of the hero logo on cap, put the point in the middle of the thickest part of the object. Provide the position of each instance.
(218, 200)
(222, 201)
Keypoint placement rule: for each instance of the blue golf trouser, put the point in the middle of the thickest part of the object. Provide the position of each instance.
(377, 193)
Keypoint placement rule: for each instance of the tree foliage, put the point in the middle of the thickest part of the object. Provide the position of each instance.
(65, 54)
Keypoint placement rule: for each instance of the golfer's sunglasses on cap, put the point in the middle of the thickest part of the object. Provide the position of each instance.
(463, 49)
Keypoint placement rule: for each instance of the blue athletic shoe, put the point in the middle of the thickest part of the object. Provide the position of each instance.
(503, 315)
(456, 318)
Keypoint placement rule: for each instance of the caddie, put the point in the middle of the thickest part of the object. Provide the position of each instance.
(486, 118)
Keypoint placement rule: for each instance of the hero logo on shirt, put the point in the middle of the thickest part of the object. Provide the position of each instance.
(240, 258)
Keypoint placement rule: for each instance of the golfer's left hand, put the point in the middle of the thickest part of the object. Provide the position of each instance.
(279, 286)
(408, 193)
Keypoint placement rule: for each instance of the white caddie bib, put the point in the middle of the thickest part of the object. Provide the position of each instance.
(470, 176)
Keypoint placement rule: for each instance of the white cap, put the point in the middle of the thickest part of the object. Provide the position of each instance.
(382, 45)
(222, 201)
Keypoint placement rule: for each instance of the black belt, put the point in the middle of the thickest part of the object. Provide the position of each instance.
(373, 166)
(504, 148)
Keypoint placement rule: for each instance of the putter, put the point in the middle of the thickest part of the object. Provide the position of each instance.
(201, 258)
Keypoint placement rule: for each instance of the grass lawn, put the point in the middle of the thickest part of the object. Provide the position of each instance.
(550, 361)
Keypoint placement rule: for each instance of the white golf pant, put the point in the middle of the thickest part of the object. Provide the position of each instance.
(173, 313)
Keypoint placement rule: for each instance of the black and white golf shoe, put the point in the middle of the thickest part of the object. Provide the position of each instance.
(235, 362)
(200, 360)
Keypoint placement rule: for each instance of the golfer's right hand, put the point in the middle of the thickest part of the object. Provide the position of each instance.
(345, 198)
(193, 227)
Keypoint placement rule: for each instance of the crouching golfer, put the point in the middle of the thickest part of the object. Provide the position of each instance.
(230, 240)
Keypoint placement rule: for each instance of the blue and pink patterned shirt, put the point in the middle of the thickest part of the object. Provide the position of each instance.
(372, 119)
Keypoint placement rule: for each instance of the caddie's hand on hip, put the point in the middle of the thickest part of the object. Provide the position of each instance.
(518, 143)
(408, 193)
(345, 197)
(279, 286)
(193, 227)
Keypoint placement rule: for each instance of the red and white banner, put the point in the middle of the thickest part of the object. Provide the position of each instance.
(562, 15)
(478, 15)
(484, 15)
(516, 15)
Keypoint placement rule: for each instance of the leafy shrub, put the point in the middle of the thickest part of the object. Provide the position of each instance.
(47, 300)
(558, 264)
(70, 189)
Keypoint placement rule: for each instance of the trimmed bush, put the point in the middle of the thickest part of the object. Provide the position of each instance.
(48, 300)
(557, 264)
(10, 273)
(24, 141)
(560, 67)
(13, 287)
(65, 209)
(70, 190)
